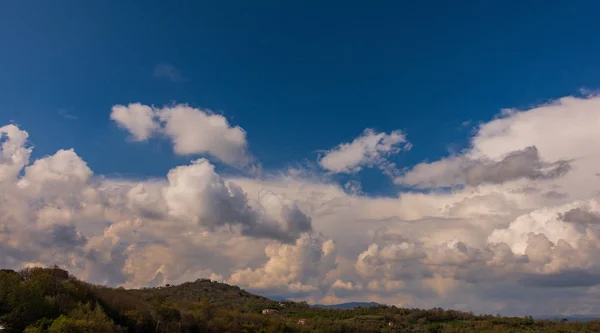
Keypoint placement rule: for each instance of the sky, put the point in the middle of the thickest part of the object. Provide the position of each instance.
(416, 153)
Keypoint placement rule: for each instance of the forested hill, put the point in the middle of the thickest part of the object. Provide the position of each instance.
(51, 300)
(219, 295)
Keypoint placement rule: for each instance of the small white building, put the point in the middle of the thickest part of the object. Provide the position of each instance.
(269, 311)
(302, 321)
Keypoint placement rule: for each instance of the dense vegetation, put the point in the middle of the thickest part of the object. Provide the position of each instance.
(50, 300)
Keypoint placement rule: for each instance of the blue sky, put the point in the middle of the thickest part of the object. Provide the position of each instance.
(297, 77)
(462, 206)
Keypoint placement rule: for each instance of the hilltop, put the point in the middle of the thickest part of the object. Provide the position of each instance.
(217, 294)
(52, 300)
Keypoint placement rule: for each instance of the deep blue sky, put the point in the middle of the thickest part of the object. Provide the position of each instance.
(297, 76)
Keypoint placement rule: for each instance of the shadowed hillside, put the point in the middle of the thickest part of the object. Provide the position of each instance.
(217, 294)
(51, 300)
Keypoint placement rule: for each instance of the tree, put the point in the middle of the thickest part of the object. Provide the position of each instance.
(84, 319)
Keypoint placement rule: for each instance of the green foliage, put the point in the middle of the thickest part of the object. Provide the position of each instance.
(64, 324)
(38, 300)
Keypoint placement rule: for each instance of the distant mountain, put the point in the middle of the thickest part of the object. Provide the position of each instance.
(346, 306)
(579, 318)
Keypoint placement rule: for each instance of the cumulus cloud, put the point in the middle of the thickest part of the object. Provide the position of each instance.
(579, 215)
(349, 286)
(300, 268)
(197, 193)
(15, 154)
(521, 225)
(562, 132)
(126, 232)
(196, 131)
(64, 236)
(524, 163)
(64, 167)
(137, 119)
(284, 214)
(193, 131)
(370, 149)
(462, 170)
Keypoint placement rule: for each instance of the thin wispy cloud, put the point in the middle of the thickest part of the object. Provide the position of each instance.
(169, 72)
(66, 115)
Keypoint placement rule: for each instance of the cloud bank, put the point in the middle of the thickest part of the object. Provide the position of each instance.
(519, 222)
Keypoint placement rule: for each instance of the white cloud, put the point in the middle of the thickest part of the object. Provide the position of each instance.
(14, 155)
(516, 229)
(193, 131)
(120, 232)
(564, 130)
(65, 166)
(196, 131)
(196, 193)
(300, 268)
(137, 119)
(339, 284)
(368, 150)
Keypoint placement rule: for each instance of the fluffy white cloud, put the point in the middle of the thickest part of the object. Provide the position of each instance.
(195, 131)
(300, 268)
(197, 193)
(63, 169)
(563, 134)
(192, 130)
(349, 286)
(521, 222)
(137, 119)
(368, 150)
(122, 232)
(14, 155)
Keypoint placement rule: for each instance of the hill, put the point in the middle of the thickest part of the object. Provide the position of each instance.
(217, 294)
(51, 300)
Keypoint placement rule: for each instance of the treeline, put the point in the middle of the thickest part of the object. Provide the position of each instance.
(51, 300)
